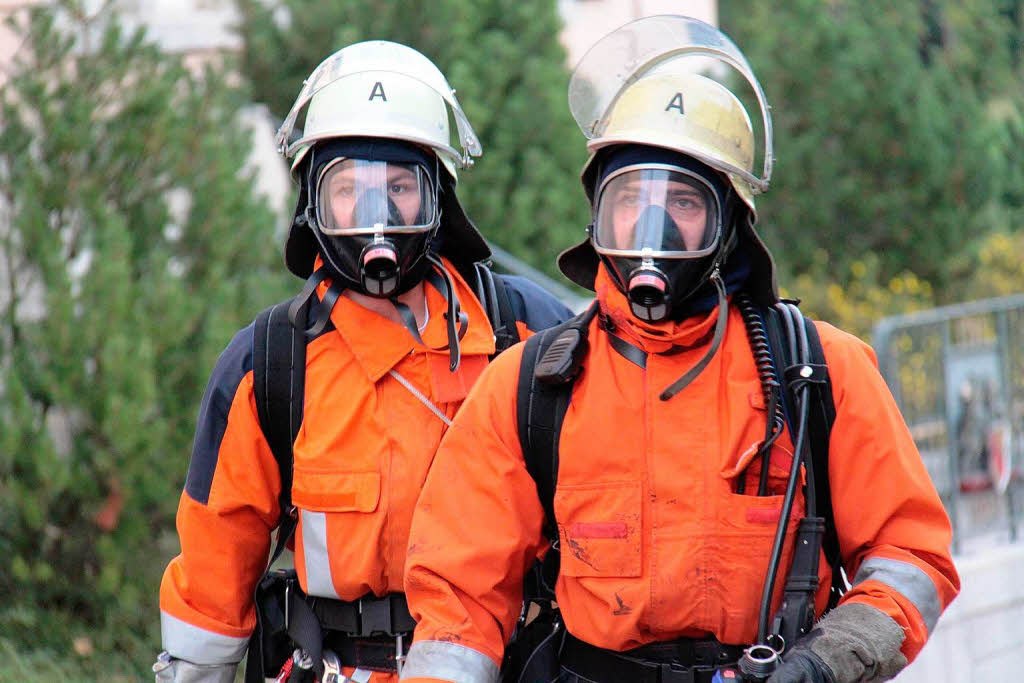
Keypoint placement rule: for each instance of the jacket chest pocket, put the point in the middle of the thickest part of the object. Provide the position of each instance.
(599, 529)
(744, 474)
(329, 490)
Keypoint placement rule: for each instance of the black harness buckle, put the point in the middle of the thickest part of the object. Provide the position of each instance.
(676, 673)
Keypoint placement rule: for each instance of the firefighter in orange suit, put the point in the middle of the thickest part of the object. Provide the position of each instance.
(663, 532)
(400, 339)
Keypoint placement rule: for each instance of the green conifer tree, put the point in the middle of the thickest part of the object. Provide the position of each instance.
(131, 247)
(894, 130)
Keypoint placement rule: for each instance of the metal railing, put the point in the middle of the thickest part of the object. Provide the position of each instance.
(957, 373)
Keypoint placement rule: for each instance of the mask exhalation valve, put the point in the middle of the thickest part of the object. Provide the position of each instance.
(379, 268)
(648, 294)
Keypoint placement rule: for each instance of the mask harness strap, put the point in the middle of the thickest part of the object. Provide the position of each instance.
(723, 316)
(442, 282)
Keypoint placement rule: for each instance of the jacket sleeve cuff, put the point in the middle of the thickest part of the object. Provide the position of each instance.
(437, 661)
(170, 670)
(194, 644)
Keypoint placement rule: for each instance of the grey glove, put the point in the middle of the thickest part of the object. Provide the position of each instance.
(171, 670)
(854, 643)
(801, 665)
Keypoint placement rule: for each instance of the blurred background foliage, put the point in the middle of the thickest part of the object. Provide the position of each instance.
(898, 183)
(134, 243)
(133, 248)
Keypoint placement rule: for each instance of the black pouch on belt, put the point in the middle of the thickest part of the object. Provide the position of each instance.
(270, 646)
(533, 653)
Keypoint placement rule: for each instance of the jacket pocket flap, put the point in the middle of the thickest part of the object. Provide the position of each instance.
(599, 527)
(334, 491)
(781, 461)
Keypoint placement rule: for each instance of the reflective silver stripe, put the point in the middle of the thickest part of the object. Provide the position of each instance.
(448, 662)
(909, 580)
(423, 399)
(314, 549)
(197, 645)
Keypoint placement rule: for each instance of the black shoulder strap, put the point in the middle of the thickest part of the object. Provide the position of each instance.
(492, 291)
(279, 376)
(540, 409)
(550, 364)
(822, 416)
(506, 334)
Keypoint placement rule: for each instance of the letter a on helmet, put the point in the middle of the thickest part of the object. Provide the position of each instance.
(660, 82)
(626, 89)
(379, 89)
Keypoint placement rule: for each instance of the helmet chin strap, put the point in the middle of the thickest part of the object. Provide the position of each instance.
(321, 308)
(440, 279)
(720, 325)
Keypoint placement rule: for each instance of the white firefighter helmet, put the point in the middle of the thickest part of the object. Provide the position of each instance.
(379, 89)
(640, 85)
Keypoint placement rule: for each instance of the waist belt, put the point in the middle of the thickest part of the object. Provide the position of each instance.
(310, 620)
(367, 616)
(377, 654)
(677, 661)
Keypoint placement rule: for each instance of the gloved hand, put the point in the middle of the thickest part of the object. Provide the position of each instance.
(854, 643)
(171, 670)
(801, 665)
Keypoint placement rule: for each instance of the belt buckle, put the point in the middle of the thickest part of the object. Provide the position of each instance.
(675, 673)
(375, 617)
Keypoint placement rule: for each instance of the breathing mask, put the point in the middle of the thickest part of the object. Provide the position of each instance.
(658, 226)
(375, 211)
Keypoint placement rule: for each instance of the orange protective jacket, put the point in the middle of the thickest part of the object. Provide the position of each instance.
(655, 542)
(360, 458)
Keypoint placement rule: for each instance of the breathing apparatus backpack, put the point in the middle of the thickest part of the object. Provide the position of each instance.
(279, 373)
(551, 362)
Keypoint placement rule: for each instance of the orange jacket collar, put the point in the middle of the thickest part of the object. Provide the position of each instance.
(378, 343)
(651, 337)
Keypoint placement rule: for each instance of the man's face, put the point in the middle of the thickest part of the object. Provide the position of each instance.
(349, 184)
(684, 203)
(656, 208)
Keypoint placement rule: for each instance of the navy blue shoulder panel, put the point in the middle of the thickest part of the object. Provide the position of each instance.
(534, 305)
(234, 363)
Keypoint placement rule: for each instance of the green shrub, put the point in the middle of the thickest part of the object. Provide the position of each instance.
(132, 246)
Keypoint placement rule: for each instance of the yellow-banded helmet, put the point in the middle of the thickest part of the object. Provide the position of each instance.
(685, 112)
(659, 82)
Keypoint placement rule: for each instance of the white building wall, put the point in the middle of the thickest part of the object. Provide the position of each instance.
(980, 638)
(588, 20)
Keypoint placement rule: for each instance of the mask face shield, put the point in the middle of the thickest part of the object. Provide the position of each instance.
(656, 211)
(360, 197)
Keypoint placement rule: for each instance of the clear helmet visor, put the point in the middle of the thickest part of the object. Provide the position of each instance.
(358, 197)
(657, 44)
(656, 212)
(377, 61)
